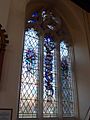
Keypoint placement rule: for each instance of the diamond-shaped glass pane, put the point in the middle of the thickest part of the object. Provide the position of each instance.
(66, 80)
(49, 79)
(29, 76)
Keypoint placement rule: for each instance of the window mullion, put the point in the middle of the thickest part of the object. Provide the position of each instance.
(59, 81)
(74, 84)
(40, 87)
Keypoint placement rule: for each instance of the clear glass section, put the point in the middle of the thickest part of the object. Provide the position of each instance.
(49, 79)
(29, 75)
(66, 80)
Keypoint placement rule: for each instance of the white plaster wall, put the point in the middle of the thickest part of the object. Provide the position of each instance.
(4, 12)
(80, 36)
(76, 20)
(12, 14)
(11, 67)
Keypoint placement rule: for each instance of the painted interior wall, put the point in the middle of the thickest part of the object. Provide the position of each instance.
(14, 25)
(4, 12)
(12, 15)
(88, 30)
(81, 38)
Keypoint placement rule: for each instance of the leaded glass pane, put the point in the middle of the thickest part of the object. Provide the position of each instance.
(29, 76)
(66, 80)
(49, 79)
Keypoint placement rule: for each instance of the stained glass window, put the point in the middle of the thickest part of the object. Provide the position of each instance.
(66, 80)
(49, 72)
(30, 76)
(41, 76)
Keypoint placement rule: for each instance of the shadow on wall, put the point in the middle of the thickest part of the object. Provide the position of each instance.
(87, 117)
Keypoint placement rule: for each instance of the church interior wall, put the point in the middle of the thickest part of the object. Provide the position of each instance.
(12, 17)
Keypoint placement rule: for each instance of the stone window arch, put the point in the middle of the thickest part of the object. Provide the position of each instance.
(47, 81)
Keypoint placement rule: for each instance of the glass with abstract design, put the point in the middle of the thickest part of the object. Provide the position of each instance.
(49, 79)
(30, 75)
(66, 80)
(46, 24)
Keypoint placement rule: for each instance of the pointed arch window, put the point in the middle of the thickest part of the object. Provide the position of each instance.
(47, 89)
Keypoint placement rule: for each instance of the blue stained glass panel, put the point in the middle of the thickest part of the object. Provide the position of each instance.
(35, 14)
(32, 21)
(66, 80)
(49, 80)
(29, 76)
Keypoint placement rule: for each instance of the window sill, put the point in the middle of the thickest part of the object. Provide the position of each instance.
(68, 118)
